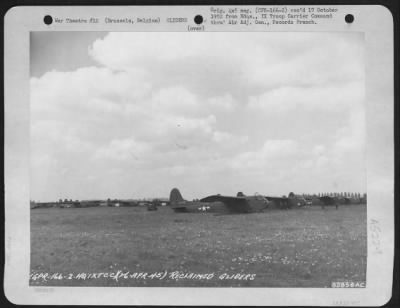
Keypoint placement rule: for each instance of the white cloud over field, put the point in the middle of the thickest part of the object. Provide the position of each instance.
(206, 112)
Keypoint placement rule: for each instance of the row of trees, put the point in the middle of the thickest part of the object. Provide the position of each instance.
(338, 194)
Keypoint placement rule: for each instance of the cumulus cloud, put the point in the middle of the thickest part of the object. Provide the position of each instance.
(270, 154)
(352, 137)
(322, 98)
(122, 150)
(175, 100)
(225, 102)
(234, 62)
(230, 111)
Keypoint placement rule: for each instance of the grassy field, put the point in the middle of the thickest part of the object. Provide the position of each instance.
(307, 247)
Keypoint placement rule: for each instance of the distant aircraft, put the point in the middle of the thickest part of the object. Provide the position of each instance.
(327, 200)
(218, 203)
(282, 203)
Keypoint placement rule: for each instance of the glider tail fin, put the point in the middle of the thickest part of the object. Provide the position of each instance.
(175, 197)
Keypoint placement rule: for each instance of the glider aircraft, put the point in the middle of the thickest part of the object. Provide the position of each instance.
(218, 203)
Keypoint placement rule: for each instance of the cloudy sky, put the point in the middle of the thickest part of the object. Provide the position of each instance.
(132, 115)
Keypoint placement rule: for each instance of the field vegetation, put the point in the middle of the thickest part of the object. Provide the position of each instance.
(307, 247)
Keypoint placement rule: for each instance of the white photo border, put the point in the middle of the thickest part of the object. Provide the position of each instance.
(376, 22)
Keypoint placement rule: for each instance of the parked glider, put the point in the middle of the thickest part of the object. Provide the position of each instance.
(218, 203)
(327, 200)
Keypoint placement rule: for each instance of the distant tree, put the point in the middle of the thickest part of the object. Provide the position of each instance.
(65, 200)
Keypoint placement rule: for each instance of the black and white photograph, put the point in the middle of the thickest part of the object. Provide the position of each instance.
(199, 155)
(238, 160)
